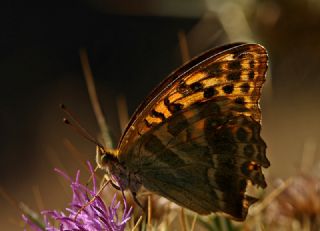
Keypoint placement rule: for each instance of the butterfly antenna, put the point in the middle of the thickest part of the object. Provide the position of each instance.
(77, 126)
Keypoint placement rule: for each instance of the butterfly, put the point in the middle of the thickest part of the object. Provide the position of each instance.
(196, 138)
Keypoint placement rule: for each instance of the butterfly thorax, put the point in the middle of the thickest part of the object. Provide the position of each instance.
(107, 160)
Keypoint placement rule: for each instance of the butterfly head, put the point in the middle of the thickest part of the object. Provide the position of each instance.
(105, 157)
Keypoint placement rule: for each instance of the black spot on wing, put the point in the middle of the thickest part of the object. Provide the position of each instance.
(235, 65)
(172, 107)
(239, 100)
(245, 87)
(251, 75)
(228, 89)
(233, 76)
(196, 86)
(245, 168)
(146, 122)
(209, 92)
(175, 107)
(166, 101)
(158, 114)
(242, 134)
(251, 63)
(214, 69)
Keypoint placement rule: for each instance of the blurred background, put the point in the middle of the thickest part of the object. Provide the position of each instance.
(132, 46)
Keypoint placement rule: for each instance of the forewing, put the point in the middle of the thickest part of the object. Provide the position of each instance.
(236, 71)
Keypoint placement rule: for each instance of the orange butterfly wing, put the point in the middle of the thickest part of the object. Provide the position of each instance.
(237, 67)
(196, 139)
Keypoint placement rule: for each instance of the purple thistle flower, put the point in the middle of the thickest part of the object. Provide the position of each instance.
(84, 214)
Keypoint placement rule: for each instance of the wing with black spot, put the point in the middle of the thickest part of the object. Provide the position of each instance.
(236, 71)
(203, 158)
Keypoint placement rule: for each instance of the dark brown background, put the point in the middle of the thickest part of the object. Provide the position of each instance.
(132, 47)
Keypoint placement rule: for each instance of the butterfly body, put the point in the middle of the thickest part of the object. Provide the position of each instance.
(196, 139)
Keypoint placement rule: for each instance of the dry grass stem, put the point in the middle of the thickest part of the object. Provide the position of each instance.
(38, 198)
(94, 99)
(137, 224)
(149, 227)
(56, 163)
(182, 219)
(122, 112)
(10, 199)
(76, 154)
(194, 222)
(184, 49)
(308, 155)
(268, 199)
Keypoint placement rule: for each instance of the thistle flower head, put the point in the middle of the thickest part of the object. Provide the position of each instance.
(83, 213)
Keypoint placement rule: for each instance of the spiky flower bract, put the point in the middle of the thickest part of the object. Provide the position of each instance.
(87, 211)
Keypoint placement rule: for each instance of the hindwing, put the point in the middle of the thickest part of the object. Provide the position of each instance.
(202, 158)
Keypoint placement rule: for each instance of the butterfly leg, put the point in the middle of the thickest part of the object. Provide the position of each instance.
(114, 185)
(134, 195)
(133, 189)
(94, 197)
(108, 180)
